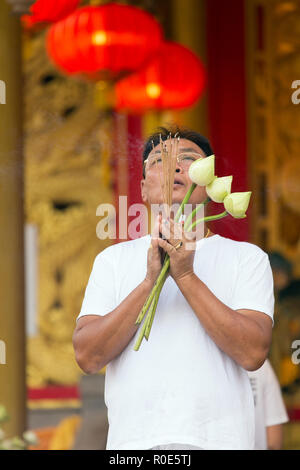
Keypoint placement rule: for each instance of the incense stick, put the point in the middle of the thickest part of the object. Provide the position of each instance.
(169, 152)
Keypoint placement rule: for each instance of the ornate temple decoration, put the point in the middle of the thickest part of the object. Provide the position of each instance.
(273, 66)
(20, 6)
(67, 175)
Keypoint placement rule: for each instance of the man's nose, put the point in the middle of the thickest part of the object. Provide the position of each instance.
(178, 168)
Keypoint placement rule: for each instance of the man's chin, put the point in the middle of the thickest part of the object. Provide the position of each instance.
(178, 194)
(177, 200)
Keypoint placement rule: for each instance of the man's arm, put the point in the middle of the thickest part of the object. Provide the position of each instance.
(274, 407)
(99, 339)
(245, 335)
(274, 437)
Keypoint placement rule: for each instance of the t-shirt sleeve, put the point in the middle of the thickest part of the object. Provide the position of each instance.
(275, 411)
(99, 297)
(254, 288)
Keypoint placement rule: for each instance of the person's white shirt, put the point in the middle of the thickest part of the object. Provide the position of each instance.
(180, 387)
(269, 405)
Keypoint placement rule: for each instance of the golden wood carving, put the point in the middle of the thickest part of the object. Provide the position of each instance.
(67, 175)
(273, 65)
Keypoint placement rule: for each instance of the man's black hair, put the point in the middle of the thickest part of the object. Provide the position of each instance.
(280, 263)
(183, 133)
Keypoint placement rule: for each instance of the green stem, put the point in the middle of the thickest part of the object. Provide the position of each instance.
(207, 219)
(141, 336)
(159, 282)
(146, 328)
(152, 293)
(150, 317)
(185, 200)
(195, 211)
(167, 258)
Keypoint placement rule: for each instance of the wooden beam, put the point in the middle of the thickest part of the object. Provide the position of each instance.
(12, 374)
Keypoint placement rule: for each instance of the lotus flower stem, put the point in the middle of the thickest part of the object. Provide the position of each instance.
(185, 200)
(152, 293)
(207, 219)
(195, 211)
(151, 312)
(151, 302)
(166, 260)
(146, 328)
(141, 336)
(150, 316)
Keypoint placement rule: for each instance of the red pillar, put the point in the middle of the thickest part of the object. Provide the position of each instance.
(227, 94)
(127, 167)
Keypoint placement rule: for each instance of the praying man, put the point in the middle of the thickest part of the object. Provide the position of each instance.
(187, 387)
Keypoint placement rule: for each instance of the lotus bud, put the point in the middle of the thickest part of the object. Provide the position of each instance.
(202, 171)
(236, 204)
(219, 188)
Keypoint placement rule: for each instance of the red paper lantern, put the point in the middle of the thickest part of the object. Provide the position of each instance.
(104, 41)
(48, 11)
(174, 79)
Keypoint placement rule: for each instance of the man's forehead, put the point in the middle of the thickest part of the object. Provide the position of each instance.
(184, 145)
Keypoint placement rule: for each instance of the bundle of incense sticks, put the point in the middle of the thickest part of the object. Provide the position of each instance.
(169, 152)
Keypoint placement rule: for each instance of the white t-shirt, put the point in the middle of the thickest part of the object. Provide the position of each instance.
(268, 402)
(180, 387)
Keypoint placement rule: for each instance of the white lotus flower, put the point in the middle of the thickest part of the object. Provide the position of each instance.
(219, 188)
(202, 171)
(236, 204)
(30, 437)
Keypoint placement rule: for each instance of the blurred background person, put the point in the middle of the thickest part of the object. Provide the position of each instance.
(286, 322)
(270, 411)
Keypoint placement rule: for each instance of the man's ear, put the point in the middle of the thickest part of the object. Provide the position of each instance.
(143, 191)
